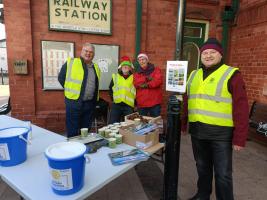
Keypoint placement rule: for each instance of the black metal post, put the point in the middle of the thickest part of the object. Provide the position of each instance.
(2, 76)
(172, 151)
(180, 29)
(173, 138)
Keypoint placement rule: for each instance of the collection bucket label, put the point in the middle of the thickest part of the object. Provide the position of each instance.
(4, 153)
(61, 179)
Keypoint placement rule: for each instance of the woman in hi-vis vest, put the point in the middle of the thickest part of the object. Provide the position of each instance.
(216, 107)
(122, 91)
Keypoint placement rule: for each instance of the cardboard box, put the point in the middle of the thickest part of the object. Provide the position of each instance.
(139, 141)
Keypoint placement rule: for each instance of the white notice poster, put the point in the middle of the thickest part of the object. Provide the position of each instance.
(176, 76)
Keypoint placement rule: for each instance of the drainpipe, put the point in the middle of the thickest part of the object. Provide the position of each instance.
(228, 17)
(138, 27)
(138, 32)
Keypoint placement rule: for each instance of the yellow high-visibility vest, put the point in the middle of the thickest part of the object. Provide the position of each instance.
(123, 89)
(209, 101)
(74, 78)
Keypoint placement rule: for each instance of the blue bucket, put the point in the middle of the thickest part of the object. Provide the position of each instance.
(13, 146)
(67, 166)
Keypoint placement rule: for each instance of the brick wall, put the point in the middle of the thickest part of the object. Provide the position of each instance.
(19, 46)
(46, 108)
(29, 101)
(159, 30)
(248, 48)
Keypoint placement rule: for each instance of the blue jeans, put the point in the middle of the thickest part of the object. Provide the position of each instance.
(119, 111)
(79, 114)
(217, 155)
(153, 111)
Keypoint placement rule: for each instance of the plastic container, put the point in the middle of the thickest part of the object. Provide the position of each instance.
(118, 138)
(13, 145)
(112, 143)
(67, 166)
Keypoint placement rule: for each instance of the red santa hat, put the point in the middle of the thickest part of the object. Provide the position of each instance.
(142, 55)
(125, 61)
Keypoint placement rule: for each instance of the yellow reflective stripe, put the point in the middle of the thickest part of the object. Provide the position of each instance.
(210, 113)
(68, 78)
(98, 74)
(72, 91)
(221, 81)
(190, 80)
(118, 97)
(115, 82)
(133, 91)
(122, 88)
(210, 97)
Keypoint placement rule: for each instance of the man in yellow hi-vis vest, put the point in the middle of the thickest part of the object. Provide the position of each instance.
(122, 91)
(80, 79)
(217, 108)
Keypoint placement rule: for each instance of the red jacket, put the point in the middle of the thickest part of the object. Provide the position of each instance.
(152, 95)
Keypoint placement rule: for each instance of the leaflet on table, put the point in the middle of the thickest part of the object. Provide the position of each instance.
(176, 76)
(145, 129)
(128, 156)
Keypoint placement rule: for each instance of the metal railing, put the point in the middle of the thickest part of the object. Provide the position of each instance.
(4, 80)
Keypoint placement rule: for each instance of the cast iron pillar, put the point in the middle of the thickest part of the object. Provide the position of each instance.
(172, 151)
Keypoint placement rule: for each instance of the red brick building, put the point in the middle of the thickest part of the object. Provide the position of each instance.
(27, 25)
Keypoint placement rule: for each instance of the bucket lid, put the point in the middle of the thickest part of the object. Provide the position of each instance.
(12, 131)
(65, 150)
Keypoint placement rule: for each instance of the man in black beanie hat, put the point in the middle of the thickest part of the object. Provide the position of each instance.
(216, 107)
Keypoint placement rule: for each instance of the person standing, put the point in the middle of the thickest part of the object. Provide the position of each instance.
(148, 81)
(80, 79)
(122, 91)
(218, 120)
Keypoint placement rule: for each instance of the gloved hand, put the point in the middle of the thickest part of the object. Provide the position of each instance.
(149, 78)
(144, 85)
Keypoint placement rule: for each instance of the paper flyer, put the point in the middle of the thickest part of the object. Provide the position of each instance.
(176, 76)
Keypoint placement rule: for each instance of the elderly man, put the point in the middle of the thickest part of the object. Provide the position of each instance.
(218, 120)
(80, 79)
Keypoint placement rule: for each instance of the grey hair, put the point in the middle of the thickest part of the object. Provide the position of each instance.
(87, 44)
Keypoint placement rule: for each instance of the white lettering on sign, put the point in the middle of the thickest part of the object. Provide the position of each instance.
(80, 15)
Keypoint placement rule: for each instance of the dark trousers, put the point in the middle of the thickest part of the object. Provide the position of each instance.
(153, 111)
(213, 155)
(79, 114)
(119, 111)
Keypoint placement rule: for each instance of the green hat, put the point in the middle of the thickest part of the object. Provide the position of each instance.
(126, 62)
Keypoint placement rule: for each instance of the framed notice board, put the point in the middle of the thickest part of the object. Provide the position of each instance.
(106, 56)
(54, 55)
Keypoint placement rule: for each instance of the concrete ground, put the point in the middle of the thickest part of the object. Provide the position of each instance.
(145, 181)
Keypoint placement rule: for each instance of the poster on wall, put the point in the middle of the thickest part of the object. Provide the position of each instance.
(88, 16)
(54, 55)
(176, 76)
(106, 56)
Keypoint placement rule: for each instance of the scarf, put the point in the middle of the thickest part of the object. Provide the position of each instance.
(150, 68)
